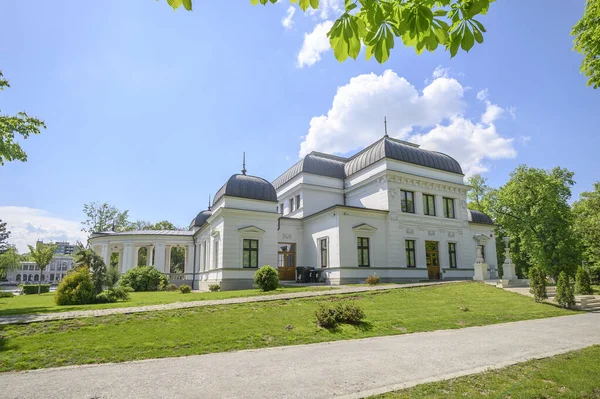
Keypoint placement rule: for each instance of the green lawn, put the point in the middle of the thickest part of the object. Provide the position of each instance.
(572, 375)
(44, 303)
(221, 328)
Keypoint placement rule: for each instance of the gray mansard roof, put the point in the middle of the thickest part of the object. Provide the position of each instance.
(200, 219)
(332, 166)
(245, 186)
(478, 217)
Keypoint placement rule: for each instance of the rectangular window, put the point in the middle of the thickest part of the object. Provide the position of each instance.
(292, 205)
(452, 254)
(411, 260)
(363, 252)
(52, 277)
(281, 209)
(449, 208)
(250, 255)
(407, 200)
(297, 201)
(324, 253)
(429, 204)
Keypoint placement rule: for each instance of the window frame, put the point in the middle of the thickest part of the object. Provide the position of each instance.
(297, 201)
(446, 201)
(361, 247)
(452, 259)
(250, 250)
(408, 250)
(291, 202)
(320, 242)
(281, 208)
(426, 210)
(404, 201)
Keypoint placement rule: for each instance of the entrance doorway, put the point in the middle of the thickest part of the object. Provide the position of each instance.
(433, 260)
(286, 261)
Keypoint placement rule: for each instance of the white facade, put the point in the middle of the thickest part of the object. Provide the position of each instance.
(28, 272)
(342, 216)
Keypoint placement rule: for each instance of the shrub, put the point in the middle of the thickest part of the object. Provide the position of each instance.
(171, 287)
(214, 287)
(267, 278)
(185, 289)
(537, 284)
(114, 294)
(112, 276)
(326, 317)
(373, 279)
(564, 291)
(6, 294)
(143, 278)
(348, 313)
(76, 288)
(583, 284)
(29, 289)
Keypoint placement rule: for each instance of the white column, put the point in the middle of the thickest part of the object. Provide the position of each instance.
(439, 206)
(120, 264)
(128, 256)
(508, 268)
(189, 259)
(136, 257)
(105, 253)
(481, 268)
(149, 255)
(167, 268)
(420, 253)
(159, 257)
(419, 203)
(443, 253)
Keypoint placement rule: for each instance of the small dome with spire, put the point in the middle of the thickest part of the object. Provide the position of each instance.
(200, 219)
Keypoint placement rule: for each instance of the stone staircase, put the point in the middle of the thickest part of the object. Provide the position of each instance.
(590, 303)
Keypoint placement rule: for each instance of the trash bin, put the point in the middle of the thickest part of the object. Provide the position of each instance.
(299, 274)
(316, 276)
(307, 274)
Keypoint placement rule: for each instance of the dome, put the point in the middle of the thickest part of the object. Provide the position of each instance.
(244, 186)
(315, 163)
(478, 217)
(200, 219)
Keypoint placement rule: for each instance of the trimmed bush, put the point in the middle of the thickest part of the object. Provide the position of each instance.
(171, 287)
(29, 289)
(6, 294)
(76, 288)
(537, 284)
(373, 279)
(113, 295)
(583, 283)
(267, 278)
(347, 313)
(144, 278)
(564, 291)
(214, 287)
(185, 289)
(326, 317)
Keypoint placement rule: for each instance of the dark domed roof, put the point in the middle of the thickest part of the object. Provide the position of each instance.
(478, 217)
(200, 219)
(399, 150)
(244, 186)
(316, 163)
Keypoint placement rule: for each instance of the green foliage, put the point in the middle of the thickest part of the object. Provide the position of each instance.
(171, 287)
(104, 217)
(29, 289)
(76, 288)
(9, 259)
(214, 287)
(267, 278)
(144, 278)
(587, 42)
(373, 279)
(20, 124)
(112, 276)
(88, 258)
(113, 295)
(377, 24)
(347, 312)
(537, 284)
(42, 255)
(587, 224)
(4, 234)
(583, 284)
(185, 289)
(564, 291)
(6, 294)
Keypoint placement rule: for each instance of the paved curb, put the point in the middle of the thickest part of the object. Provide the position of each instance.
(41, 317)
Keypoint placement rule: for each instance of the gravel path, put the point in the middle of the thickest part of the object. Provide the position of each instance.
(31, 318)
(346, 369)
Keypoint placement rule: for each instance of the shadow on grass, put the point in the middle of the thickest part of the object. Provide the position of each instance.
(362, 326)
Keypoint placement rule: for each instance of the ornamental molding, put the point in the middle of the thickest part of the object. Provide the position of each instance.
(251, 230)
(414, 182)
(364, 228)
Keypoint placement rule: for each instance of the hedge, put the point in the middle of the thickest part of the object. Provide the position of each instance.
(29, 289)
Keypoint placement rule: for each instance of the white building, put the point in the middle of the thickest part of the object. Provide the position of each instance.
(392, 209)
(29, 272)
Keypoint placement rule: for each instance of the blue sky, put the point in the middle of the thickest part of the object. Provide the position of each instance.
(150, 109)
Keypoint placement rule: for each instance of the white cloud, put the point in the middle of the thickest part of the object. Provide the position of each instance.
(440, 72)
(524, 140)
(315, 43)
(288, 20)
(327, 7)
(27, 225)
(492, 113)
(482, 95)
(355, 120)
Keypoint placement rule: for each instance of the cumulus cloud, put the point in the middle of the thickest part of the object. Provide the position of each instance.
(327, 8)
(27, 225)
(315, 43)
(288, 20)
(433, 118)
(440, 72)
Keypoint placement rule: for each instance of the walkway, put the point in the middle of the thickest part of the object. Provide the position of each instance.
(31, 318)
(347, 369)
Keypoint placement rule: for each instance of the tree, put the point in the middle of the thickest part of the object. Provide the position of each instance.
(140, 225)
(9, 260)
(564, 291)
(375, 24)
(583, 285)
(11, 125)
(4, 234)
(104, 217)
(537, 284)
(42, 255)
(533, 208)
(587, 225)
(587, 42)
(88, 258)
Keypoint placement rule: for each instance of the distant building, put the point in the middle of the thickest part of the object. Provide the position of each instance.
(29, 272)
(63, 247)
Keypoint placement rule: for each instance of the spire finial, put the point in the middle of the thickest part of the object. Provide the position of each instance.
(244, 164)
(385, 126)
(209, 202)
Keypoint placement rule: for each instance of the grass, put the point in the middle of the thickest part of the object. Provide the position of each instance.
(596, 289)
(201, 330)
(44, 303)
(572, 375)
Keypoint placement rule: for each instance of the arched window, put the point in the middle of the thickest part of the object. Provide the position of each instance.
(36, 277)
(18, 277)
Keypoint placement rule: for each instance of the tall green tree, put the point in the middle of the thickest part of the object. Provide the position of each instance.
(587, 42)
(89, 259)
(534, 207)
(4, 234)
(12, 126)
(378, 24)
(42, 255)
(478, 197)
(104, 217)
(9, 260)
(587, 225)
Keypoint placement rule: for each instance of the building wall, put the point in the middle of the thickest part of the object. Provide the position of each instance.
(29, 272)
